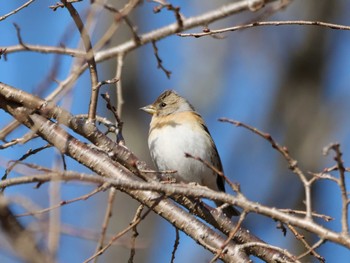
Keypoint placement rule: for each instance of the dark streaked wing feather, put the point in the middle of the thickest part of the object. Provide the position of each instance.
(220, 181)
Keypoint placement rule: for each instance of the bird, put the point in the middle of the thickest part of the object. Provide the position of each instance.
(177, 131)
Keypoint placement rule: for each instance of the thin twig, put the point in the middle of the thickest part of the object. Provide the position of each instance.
(293, 164)
(64, 202)
(234, 186)
(282, 251)
(342, 185)
(108, 216)
(54, 224)
(16, 10)
(310, 250)
(110, 32)
(29, 153)
(300, 212)
(176, 245)
(230, 237)
(135, 233)
(119, 131)
(120, 234)
(20, 238)
(19, 37)
(159, 60)
(170, 7)
(265, 23)
(127, 21)
(90, 58)
(119, 91)
(3, 53)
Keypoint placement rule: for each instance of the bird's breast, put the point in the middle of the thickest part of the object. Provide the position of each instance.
(168, 142)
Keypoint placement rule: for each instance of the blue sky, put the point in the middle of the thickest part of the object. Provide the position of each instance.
(239, 77)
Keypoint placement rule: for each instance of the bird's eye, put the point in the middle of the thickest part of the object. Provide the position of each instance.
(163, 104)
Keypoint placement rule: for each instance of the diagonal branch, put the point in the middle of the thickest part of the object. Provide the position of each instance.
(90, 58)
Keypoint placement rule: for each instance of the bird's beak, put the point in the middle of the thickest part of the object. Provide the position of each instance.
(149, 109)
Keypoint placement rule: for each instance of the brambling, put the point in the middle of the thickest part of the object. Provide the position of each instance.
(176, 129)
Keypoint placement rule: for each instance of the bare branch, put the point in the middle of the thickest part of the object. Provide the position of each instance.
(119, 130)
(209, 32)
(90, 58)
(170, 7)
(19, 37)
(159, 60)
(342, 185)
(108, 216)
(20, 238)
(137, 219)
(134, 232)
(16, 10)
(176, 245)
(119, 91)
(293, 164)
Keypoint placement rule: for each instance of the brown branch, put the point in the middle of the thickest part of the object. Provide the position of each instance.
(342, 185)
(265, 23)
(299, 212)
(45, 50)
(120, 15)
(134, 232)
(128, 7)
(289, 257)
(159, 60)
(170, 7)
(16, 10)
(106, 167)
(234, 186)
(106, 220)
(195, 191)
(29, 153)
(64, 202)
(120, 123)
(176, 245)
(27, 137)
(19, 37)
(137, 219)
(119, 91)
(3, 53)
(293, 164)
(310, 250)
(232, 233)
(188, 23)
(155, 35)
(122, 155)
(90, 58)
(21, 240)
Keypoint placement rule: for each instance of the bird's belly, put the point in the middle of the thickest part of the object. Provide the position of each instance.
(168, 148)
